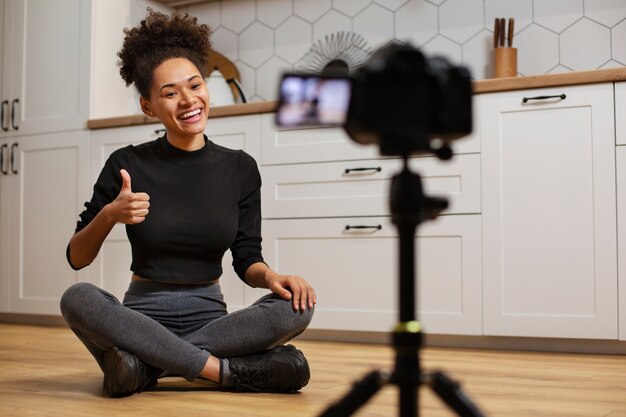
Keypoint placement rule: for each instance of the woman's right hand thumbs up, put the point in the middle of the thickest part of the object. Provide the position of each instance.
(125, 181)
(129, 207)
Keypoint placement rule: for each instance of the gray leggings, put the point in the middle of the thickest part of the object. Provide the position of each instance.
(176, 327)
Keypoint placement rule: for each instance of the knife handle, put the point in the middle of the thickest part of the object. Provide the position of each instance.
(496, 33)
(511, 31)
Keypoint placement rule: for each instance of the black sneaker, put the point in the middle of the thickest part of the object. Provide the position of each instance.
(125, 374)
(282, 369)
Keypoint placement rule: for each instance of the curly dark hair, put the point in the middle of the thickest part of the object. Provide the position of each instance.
(158, 38)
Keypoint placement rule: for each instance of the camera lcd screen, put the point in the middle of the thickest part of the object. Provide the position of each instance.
(307, 100)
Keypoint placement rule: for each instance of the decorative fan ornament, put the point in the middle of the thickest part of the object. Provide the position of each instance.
(340, 51)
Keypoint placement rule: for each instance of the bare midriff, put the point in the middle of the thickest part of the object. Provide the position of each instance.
(136, 277)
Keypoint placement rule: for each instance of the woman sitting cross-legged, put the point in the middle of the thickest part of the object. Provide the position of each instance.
(184, 201)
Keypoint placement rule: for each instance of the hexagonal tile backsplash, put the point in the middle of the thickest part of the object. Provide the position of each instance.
(265, 37)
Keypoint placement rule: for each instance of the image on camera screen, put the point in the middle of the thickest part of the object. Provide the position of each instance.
(313, 101)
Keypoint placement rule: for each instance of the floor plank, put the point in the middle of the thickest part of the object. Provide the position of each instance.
(45, 371)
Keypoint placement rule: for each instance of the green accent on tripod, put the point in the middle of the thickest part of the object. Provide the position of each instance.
(408, 327)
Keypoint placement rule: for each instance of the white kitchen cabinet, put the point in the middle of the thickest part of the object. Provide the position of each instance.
(549, 228)
(44, 66)
(111, 269)
(355, 272)
(42, 191)
(43, 88)
(318, 181)
(620, 158)
(620, 113)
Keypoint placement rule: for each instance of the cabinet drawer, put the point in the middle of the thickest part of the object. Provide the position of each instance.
(326, 190)
(291, 146)
(355, 272)
(288, 146)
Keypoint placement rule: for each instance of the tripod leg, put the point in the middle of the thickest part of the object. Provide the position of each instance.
(360, 393)
(450, 392)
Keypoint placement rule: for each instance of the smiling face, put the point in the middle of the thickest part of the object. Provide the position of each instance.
(180, 100)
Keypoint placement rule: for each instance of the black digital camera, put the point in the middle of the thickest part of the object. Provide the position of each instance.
(400, 100)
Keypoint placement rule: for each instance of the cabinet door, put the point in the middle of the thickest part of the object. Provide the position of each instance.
(5, 223)
(6, 50)
(355, 272)
(549, 229)
(620, 113)
(241, 132)
(47, 193)
(621, 233)
(50, 65)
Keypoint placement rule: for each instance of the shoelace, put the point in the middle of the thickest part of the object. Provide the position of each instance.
(253, 378)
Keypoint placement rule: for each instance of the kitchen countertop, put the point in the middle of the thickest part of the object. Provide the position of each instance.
(480, 86)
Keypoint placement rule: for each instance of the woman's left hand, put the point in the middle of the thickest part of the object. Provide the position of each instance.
(292, 287)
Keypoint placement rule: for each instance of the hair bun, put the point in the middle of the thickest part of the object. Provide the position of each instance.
(157, 38)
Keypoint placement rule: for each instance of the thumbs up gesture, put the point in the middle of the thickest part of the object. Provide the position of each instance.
(129, 207)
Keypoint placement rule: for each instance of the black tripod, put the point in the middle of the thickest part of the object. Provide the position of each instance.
(409, 207)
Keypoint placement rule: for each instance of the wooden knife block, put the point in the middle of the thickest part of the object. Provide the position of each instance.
(505, 62)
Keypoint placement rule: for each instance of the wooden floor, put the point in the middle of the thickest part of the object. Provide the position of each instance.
(45, 371)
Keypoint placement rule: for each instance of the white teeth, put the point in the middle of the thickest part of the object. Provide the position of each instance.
(190, 114)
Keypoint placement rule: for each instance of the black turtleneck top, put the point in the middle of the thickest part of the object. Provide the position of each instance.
(202, 203)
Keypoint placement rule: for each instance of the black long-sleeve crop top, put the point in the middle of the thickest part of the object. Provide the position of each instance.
(202, 203)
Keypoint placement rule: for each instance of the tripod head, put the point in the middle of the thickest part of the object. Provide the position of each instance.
(407, 200)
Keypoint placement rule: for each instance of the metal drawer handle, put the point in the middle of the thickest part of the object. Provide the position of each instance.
(159, 131)
(361, 227)
(349, 170)
(13, 170)
(2, 170)
(559, 96)
(5, 105)
(13, 103)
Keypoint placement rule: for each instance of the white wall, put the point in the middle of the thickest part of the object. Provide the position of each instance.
(264, 37)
